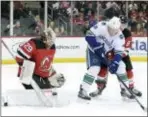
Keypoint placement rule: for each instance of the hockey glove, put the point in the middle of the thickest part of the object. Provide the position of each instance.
(57, 80)
(113, 66)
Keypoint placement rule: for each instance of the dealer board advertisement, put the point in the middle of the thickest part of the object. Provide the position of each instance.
(72, 47)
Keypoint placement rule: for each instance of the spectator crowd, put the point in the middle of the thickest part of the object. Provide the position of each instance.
(68, 18)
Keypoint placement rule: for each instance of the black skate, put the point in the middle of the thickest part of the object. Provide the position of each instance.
(83, 94)
(136, 92)
(96, 93)
(126, 94)
(101, 84)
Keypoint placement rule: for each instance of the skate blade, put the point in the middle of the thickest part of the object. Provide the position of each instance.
(96, 95)
(82, 101)
(126, 99)
(145, 110)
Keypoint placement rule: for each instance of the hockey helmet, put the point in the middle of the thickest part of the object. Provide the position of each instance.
(111, 12)
(114, 25)
(48, 36)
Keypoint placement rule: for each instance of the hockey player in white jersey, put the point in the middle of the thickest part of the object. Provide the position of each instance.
(101, 81)
(102, 38)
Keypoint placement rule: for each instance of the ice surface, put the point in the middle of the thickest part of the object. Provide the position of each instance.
(109, 104)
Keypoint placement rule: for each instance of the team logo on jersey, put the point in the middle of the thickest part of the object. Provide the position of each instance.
(45, 64)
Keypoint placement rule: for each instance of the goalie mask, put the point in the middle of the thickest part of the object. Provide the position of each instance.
(48, 37)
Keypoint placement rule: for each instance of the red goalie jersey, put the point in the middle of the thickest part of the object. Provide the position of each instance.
(35, 50)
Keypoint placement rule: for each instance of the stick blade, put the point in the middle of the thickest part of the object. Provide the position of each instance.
(145, 109)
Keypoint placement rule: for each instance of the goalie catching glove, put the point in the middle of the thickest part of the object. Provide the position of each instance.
(57, 80)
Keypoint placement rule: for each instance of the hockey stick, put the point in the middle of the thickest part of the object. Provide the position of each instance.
(7, 48)
(38, 91)
(144, 108)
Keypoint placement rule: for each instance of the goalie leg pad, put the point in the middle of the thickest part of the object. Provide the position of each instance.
(27, 71)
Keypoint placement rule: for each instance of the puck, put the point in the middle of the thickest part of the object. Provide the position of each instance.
(54, 93)
(6, 104)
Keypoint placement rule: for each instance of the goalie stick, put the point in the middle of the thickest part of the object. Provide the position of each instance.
(39, 93)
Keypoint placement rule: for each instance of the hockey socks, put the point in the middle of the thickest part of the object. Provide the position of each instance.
(85, 86)
(124, 92)
(88, 79)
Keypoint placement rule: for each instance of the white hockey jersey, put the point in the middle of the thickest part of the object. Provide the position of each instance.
(116, 42)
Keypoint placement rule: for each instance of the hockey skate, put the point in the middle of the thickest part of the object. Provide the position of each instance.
(101, 84)
(83, 94)
(126, 95)
(136, 92)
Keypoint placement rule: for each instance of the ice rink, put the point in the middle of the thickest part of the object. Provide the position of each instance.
(109, 103)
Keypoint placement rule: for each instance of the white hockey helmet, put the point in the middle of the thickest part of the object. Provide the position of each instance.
(114, 23)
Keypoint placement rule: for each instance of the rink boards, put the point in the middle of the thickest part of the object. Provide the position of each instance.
(72, 49)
